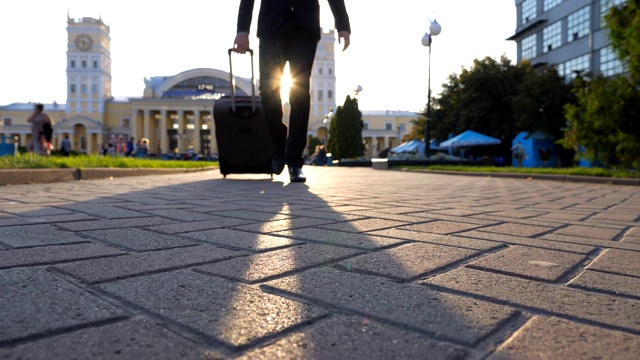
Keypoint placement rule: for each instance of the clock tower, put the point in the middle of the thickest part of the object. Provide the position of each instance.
(88, 67)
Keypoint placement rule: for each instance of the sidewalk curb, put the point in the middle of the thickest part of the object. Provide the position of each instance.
(42, 176)
(565, 178)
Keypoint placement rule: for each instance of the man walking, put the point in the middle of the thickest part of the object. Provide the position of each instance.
(289, 30)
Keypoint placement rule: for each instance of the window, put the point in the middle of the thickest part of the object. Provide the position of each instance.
(578, 24)
(126, 122)
(402, 127)
(365, 125)
(95, 64)
(72, 88)
(548, 4)
(320, 71)
(319, 94)
(83, 88)
(84, 64)
(73, 64)
(388, 126)
(576, 65)
(330, 70)
(552, 37)
(605, 6)
(529, 10)
(610, 64)
(94, 88)
(329, 94)
(6, 121)
(528, 47)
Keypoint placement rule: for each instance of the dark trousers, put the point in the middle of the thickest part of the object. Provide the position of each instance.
(299, 49)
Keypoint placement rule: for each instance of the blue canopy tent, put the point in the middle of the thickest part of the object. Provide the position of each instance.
(415, 146)
(469, 138)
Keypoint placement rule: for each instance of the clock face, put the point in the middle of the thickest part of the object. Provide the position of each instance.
(84, 42)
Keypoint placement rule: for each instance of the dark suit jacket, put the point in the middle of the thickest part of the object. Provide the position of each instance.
(273, 14)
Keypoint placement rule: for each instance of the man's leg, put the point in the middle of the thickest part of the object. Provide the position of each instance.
(302, 50)
(272, 61)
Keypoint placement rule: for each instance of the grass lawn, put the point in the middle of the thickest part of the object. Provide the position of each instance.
(32, 161)
(509, 169)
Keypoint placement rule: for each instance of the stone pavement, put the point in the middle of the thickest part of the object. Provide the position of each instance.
(355, 264)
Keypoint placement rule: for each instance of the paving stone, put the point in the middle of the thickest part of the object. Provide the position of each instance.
(465, 211)
(618, 262)
(138, 239)
(529, 262)
(108, 269)
(53, 254)
(112, 224)
(444, 316)
(20, 221)
(185, 227)
(616, 284)
(314, 214)
(252, 215)
(281, 225)
(35, 302)
(631, 239)
(340, 238)
(242, 240)
(525, 241)
(132, 339)
(233, 314)
(36, 235)
(517, 229)
(409, 261)
(449, 240)
(563, 216)
(35, 210)
(616, 216)
(105, 211)
(353, 337)
(278, 262)
(594, 232)
(555, 299)
(589, 241)
(357, 226)
(407, 219)
(181, 215)
(553, 338)
(440, 227)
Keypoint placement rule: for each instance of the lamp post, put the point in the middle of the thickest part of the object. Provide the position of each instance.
(434, 29)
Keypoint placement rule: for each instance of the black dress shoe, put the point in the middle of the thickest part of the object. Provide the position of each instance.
(296, 175)
(277, 164)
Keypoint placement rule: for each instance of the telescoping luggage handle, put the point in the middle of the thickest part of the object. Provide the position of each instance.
(233, 83)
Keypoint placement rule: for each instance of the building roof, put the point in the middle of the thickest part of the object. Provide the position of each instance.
(29, 106)
(395, 113)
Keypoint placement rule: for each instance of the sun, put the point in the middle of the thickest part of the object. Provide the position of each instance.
(285, 84)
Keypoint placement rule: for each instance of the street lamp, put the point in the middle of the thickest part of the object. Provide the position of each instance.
(434, 29)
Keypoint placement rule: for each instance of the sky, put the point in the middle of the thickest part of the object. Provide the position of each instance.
(158, 38)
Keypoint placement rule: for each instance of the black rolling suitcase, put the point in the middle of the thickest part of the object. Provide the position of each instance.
(245, 145)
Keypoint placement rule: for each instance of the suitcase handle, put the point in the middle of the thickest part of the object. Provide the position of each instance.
(233, 83)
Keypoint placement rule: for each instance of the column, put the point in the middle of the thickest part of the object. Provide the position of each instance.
(197, 147)
(214, 139)
(23, 139)
(181, 131)
(135, 133)
(89, 143)
(164, 139)
(146, 121)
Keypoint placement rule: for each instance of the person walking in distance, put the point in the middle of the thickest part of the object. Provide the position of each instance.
(39, 121)
(289, 30)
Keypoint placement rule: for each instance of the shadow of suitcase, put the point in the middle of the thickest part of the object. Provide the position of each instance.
(245, 145)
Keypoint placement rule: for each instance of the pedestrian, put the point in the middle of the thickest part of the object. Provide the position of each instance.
(65, 146)
(289, 31)
(519, 153)
(38, 119)
(130, 146)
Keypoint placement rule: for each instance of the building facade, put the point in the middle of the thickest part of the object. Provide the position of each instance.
(174, 113)
(567, 34)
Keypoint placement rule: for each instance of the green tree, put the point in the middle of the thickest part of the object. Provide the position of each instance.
(345, 140)
(499, 99)
(605, 121)
(623, 23)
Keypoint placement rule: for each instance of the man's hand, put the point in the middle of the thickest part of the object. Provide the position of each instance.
(347, 40)
(241, 43)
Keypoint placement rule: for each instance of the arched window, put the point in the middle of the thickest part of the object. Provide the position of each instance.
(201, 87)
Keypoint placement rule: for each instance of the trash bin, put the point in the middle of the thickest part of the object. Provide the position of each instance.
(8, 146)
